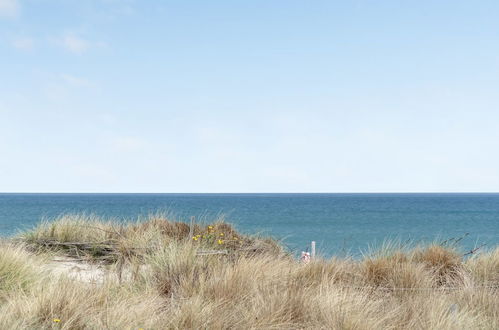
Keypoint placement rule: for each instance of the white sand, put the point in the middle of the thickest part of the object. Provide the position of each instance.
(81, 271)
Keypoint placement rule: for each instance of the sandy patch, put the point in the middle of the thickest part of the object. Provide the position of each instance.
(81, 271)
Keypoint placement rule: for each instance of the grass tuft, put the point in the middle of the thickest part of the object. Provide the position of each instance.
(179, 276)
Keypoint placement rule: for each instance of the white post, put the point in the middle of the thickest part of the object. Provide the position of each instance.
(312, 250)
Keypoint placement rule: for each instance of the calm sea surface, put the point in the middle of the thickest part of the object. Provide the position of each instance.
(337, 222)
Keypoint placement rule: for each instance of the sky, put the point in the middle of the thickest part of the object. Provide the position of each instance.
(249, 96)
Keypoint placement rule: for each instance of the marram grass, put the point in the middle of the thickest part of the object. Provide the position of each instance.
(193, 276)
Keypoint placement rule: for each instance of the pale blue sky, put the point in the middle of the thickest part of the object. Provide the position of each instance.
(249, 96)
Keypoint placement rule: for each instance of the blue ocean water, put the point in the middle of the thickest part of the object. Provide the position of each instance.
(339, 223)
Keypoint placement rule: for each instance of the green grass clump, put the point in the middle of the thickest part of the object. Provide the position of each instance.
(19, 270)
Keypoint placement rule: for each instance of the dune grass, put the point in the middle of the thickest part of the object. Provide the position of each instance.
(19, 271)
(189, 276)
(93, 239)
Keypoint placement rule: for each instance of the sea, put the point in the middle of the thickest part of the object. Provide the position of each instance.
(340, 224)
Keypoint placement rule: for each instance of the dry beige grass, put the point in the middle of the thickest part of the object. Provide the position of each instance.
(252, 284)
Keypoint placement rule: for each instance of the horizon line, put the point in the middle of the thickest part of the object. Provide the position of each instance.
(293, 192)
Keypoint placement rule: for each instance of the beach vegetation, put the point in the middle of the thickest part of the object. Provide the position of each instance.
(175, 275)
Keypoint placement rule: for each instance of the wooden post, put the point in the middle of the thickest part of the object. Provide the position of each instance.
(191, 228)
(312, 250)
